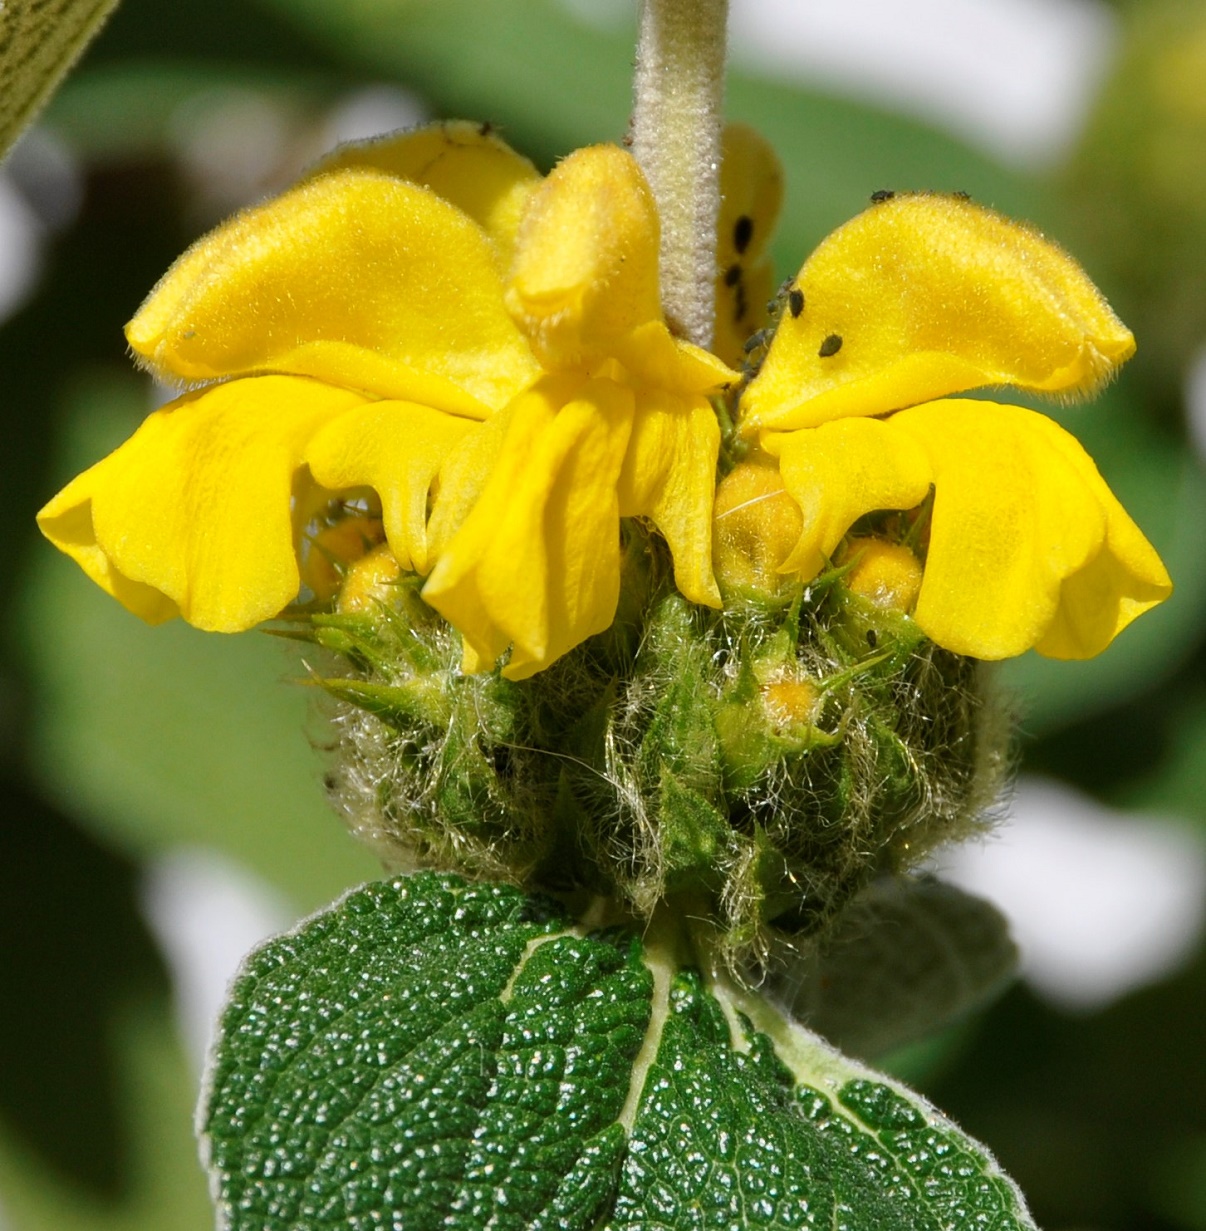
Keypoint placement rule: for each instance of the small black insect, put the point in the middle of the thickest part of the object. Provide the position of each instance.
(795, 301)
(830, 346)
(743, 232)
(872, 639)
(732, 275)
(756, 340)
(884, 194)
(961, 196)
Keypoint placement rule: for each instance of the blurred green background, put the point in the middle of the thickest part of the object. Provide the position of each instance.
(123, 746)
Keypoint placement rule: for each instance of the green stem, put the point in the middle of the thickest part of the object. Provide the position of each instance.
(676, 125)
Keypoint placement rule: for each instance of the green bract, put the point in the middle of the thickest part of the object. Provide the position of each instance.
(431, 1054)
(766, 762)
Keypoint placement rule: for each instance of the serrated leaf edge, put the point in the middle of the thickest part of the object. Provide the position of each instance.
(666, 950)
(221, 1221)
(814, 1062)
(662, 959)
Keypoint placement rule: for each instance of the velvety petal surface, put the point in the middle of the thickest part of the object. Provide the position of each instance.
(192, 513)
(536, 565)
(669, 476)
(67, 522)
(357, 278)
(925, 295)
(586, 266)
(1012, 520)
(751, 198)
(1122, 581)
(466, 470)
(584, 283)
(464, 163)
(397, 448)
(840, 471)
(1028, 547)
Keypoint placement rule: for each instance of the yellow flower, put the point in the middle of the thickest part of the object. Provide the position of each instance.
(426, 322)
(425, 317)
(920, 297)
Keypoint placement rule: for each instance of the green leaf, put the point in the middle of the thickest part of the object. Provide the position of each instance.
(39, 42)
(430, 1053)
(907, 958)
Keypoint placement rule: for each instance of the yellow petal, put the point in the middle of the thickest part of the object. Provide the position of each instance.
(356, 278)
(654, 357)
(67, 522)
(751, 197)
(586, 267)
(669, 476)
(396, 448)
(1125, 578)
(1028, 546)
(536, 564)
(466, 470)
(840, 471)
(464, 163)
(195, 506)
(925, 295)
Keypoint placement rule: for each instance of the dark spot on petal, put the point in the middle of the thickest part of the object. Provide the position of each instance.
(742, 304)
(743, 232)
(732, 275)
(795, 301)
(830, 346)
(884, 194)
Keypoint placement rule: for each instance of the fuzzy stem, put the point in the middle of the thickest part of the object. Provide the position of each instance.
(676, 124)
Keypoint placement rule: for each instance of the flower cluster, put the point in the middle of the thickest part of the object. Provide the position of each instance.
(428, 331)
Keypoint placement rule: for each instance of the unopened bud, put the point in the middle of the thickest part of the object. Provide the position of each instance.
(791, 704)
(887, 574)
(334, 549)
(756, 524)
(369, 582)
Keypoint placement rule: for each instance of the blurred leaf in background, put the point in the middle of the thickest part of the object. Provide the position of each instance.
(39, 41)
(127, 746)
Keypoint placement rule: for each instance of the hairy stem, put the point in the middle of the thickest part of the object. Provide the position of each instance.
(676, 126)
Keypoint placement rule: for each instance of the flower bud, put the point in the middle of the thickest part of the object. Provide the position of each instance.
(333, 549)
(755, 526)
(886, 574)
(765, 761)
(368, 582)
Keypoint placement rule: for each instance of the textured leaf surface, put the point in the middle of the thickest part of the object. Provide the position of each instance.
(728, 1135)
(429, 1054)
(39, 41)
